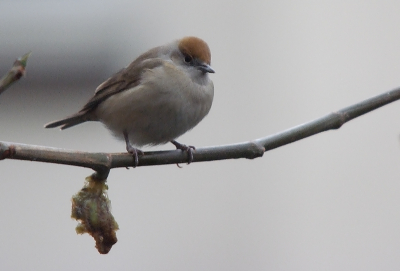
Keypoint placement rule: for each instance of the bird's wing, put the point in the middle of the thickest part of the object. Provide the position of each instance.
(126, 78)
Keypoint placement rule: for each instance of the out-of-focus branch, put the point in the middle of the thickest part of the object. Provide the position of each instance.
(103, 162)
(15, 73)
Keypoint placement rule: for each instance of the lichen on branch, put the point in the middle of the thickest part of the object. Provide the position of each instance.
(92, 208)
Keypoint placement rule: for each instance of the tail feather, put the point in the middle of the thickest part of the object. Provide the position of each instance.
(70, 121)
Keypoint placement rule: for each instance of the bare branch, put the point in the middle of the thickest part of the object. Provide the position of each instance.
(103, 162)
(331, 121)
(15, 73)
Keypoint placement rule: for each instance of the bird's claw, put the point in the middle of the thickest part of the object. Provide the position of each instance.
(132, 150)
(189, 149)
(135, 152)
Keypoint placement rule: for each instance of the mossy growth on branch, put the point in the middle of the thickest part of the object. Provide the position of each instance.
(92, 208)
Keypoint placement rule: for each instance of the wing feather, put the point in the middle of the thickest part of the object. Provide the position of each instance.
(126, 78)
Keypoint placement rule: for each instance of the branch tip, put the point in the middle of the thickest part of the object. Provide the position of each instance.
(15, 73)
(23, 59)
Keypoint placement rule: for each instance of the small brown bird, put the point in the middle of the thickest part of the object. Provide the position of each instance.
(161, 95)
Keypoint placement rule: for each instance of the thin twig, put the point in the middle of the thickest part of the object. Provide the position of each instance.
(103, 162)
(15, 73)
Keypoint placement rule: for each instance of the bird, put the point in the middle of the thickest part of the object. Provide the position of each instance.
(161, 95)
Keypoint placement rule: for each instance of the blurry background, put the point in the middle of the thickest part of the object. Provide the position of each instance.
(329, 202)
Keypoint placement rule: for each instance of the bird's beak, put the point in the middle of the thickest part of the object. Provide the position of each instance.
(206, 68)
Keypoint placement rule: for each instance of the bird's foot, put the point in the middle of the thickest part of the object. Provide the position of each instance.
(135, 153)
(132, 150)
(189, 149)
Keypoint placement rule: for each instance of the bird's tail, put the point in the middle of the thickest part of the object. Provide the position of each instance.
(70, 121)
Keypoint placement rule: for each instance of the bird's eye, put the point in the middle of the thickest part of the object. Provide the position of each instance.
(188, 58)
